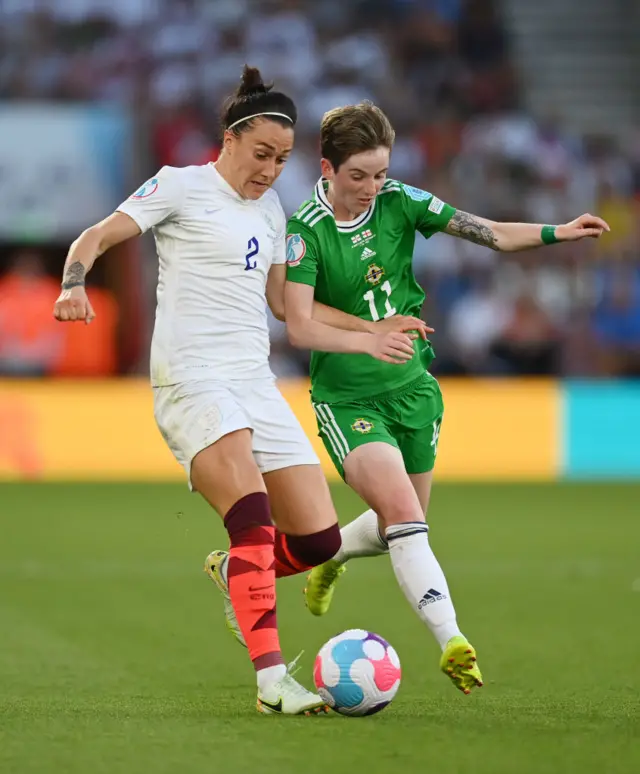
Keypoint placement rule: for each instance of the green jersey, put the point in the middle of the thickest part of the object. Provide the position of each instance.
(363, 267)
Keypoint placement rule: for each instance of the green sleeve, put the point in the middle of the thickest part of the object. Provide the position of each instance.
(302, 253)
(427, 213)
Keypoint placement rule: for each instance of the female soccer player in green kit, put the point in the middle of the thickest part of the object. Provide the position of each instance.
(350, 246)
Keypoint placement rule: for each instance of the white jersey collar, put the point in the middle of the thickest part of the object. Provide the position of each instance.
(344, 226)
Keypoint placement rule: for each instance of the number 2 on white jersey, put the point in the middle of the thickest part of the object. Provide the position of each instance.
(253, 247)
(389, 310)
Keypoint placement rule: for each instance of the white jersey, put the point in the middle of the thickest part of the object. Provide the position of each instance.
(215, 250)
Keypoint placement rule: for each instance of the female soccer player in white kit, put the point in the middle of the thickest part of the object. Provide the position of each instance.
(219, 231)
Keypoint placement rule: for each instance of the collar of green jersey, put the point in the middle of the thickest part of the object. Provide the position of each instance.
(344, 226)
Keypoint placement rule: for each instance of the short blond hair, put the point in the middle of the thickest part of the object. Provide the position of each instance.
(345, 131)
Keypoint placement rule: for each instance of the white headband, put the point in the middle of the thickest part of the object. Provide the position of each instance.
(257, 115)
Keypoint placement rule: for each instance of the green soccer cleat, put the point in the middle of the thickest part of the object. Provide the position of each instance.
(458, 662)
(321, 584)
(213, 568)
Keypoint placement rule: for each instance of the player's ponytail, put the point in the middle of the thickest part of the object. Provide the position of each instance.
(254, 99)
(252, 83)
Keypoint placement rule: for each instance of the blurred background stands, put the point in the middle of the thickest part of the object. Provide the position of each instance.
(510, 110)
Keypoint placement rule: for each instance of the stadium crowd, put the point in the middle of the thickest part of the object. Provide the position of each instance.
(443, 72)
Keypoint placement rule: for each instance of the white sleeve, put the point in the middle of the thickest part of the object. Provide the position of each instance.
(279, 247)
(157, 200)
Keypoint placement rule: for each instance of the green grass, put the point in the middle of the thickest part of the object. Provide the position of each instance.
(114, 657)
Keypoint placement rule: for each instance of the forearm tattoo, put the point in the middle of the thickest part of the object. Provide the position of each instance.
(73, 276)
(470, 228)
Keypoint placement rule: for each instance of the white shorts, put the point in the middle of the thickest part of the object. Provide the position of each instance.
(193, 415)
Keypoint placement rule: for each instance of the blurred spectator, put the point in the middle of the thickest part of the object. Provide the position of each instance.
(477, 320)
(341, 86)
(620, 212)
(616, 321)
(32, 343)
(281, 39)
(441, 139)
(528, 343)
(482, 39)
(180, 138)
(90, 350)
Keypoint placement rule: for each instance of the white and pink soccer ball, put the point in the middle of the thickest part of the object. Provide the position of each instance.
(357, 673)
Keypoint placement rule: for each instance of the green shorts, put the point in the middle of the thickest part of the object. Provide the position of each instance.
(408, 419)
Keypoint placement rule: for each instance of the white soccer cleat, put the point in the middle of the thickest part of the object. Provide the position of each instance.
(287, 697)
(213, 567)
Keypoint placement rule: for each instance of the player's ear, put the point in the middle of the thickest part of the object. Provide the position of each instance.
(327, 169)
(228, 140)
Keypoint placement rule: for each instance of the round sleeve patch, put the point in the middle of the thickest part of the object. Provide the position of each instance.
(146, 189)
(296, 249)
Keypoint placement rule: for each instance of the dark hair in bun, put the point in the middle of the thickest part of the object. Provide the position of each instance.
(252, 83)
(253, 97)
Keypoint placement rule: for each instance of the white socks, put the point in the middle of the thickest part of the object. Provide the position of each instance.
(417, 570)
(421, 578)
(361, 537)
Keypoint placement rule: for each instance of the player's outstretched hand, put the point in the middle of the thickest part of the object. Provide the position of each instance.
(404, 323)
(393, 347)
(584, 226)
(73, 305)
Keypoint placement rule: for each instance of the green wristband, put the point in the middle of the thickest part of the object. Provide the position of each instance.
(548, 235)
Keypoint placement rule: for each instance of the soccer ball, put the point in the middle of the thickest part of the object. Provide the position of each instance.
(357, 673)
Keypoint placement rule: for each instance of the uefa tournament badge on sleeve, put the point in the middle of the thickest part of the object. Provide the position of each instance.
(146, 190)
(296, 249)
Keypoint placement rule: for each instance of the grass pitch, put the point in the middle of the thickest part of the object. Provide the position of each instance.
(114, 657)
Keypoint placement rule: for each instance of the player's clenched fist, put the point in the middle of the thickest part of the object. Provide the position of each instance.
(393, 347)
(73, 304)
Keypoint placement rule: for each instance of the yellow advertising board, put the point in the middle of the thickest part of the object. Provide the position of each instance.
(104, 430)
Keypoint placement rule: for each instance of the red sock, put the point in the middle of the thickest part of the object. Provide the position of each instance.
(298, 553)
(252, 578)
(286, 563)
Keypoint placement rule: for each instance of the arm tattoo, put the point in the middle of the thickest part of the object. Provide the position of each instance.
(470, 228)
(73, 276)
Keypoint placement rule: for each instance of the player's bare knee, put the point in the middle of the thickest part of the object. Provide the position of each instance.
(301, 503)
(378, 476)
(401, 511)
(395, 501)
